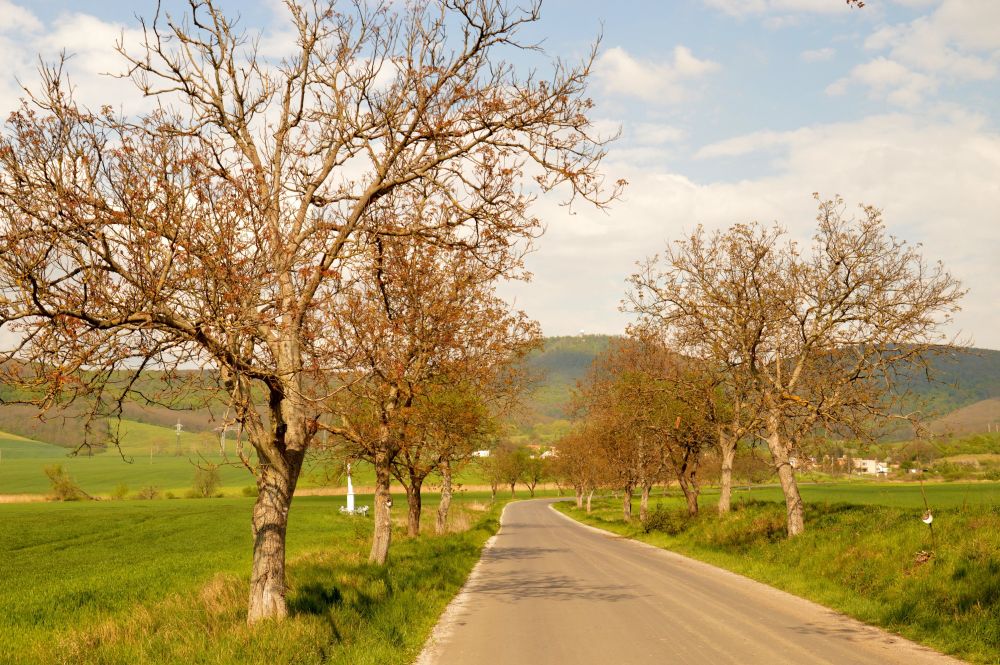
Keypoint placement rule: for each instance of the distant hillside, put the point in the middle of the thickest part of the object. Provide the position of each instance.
(960, 378)
(556, 367)
(963, 380)
(981, 416)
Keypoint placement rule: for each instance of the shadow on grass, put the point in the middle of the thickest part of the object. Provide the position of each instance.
(364, 604)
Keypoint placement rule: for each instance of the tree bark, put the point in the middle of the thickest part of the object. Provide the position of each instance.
(794, 508)
(269, 526)
(512, 490)
(691, 496)
(441, 526)
(493, 492)
(414, 506)
(590, 495)
(727, 446)
(383, 513)
(281, 461)
(627, 504)
(644, 502)
(579, 496)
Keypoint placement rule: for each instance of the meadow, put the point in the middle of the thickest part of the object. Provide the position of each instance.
(167, 582)
(864, 552)
(152, 456)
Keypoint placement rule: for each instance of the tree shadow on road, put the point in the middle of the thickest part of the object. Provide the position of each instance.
(510, 553)
(521, 585)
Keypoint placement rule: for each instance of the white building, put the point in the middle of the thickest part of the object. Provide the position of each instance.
(871, 467)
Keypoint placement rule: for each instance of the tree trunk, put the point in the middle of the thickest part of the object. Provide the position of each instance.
(579, 497)
(727, 446)
(688, 481)
(441, 526)
(493, 492)
(644, 502)
(269, 525)
(414, 506)
(531, 490)
(794, 507)
(627, 504)
(691, 496)
(383, 514)
(590, 495)
(512, 490)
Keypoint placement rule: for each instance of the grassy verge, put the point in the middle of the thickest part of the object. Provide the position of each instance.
(868, 561)
(167, 582)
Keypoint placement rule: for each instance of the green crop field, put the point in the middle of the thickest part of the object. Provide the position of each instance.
(864, 552)
(167, 581)
(900, 495)
(149, 456)
(22, 463)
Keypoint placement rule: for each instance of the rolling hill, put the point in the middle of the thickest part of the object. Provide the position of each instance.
(963, 379)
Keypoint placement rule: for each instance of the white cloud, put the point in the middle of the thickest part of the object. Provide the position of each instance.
(888, 78)
(958, 41)
(669, 82)
(818, 55)
(88, 43)
(741, 8)
(744, 145)
(649, 133)
(17, 19)
(937, 182)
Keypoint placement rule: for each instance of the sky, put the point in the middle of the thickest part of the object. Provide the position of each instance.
(729, 111)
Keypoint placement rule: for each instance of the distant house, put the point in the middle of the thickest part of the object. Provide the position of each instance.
(481, 453)
(871, 467)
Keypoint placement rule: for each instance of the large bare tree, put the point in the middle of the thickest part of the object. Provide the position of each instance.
(420, 318)
(809, 336)
(217, 230)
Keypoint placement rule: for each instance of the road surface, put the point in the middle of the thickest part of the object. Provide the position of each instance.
(550, 590)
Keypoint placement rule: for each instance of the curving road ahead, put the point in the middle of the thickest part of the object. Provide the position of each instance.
(551, 590)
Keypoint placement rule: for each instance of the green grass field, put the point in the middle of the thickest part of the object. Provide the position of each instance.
(861, 554)
(167, 581)
(876, 493)
(23, 461)
(148, 458)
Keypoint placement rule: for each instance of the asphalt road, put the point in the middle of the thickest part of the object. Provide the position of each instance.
(550, 590)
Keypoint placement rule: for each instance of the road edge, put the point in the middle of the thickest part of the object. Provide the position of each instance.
(920, 651)
(449, 618)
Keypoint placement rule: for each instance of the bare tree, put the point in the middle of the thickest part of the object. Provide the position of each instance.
(461, 424)
(580, 463)
(422, 317)
(217, 230)
(508, 463)
(535, 471)
(810, 338)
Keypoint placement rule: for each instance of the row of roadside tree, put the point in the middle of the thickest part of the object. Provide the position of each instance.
(744, 336)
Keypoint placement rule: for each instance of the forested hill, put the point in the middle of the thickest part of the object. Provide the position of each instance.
(961, 378)
(557, 366)
(967, 386)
